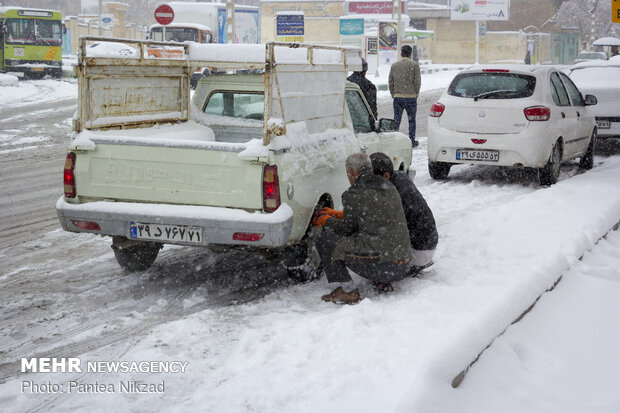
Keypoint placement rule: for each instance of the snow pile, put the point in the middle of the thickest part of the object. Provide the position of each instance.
(36, 91)
(307, 152)
(550, 360)
(111, 49)
(187, 133)
(8, 80)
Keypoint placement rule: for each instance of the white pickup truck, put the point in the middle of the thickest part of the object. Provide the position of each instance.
(246, 163)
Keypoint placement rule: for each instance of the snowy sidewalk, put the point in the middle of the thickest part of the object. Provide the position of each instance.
(562, 357)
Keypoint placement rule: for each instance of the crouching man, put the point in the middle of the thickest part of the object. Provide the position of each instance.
(420, 220)
(369, 236)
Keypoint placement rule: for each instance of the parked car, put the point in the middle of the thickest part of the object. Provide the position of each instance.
(587, 56)
(516, 116)
(601, 79)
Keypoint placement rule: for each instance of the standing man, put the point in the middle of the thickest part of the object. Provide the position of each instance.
(405, 84)
(368, 88)
(369, 236)
(420, 220)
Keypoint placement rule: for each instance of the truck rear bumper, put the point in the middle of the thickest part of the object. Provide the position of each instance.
(218, 225)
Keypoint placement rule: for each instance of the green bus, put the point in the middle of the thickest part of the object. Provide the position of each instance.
(31, 42)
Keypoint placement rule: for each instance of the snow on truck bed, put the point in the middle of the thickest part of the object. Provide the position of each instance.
(223, 133)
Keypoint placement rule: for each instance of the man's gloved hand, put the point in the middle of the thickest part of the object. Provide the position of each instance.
(320, 219)
(331, 212)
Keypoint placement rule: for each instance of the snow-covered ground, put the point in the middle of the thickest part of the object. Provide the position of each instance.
(503, 242)
(35, 91)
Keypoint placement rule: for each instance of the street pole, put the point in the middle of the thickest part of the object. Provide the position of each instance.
(399, 40)
(477, 41)
(100, 28)
(230, 21)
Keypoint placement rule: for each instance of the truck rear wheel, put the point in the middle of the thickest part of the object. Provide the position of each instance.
(302, 262)
(135, 255)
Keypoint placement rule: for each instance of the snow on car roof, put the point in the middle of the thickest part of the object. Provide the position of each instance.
(521, 68)
(596, 63)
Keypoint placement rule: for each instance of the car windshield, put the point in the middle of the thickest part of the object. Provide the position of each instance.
(492, 85)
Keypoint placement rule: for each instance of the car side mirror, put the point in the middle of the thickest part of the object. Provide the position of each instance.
(387, 125)
(590, 100)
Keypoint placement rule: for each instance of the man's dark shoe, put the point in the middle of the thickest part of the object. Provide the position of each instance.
(414, 144)
(383, 288)
(340, 296)
(416, 270)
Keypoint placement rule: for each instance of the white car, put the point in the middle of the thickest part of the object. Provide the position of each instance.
(589, 56)
(515, 116)
(601, 79)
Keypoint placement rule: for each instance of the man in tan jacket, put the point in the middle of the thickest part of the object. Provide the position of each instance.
(404, 82)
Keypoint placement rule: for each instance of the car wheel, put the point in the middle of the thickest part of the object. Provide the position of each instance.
(135, 256)
(439, 170)
(302, 263)
(550, 173)
(587, 160)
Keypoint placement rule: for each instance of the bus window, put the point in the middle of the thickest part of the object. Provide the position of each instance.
(49, 32)
(205, 37)
(21, 31)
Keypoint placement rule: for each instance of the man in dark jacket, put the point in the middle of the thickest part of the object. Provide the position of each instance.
(371, 238)
(420, 220)
(368, 88)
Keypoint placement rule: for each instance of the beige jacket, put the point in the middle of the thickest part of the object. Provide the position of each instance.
(404, 80)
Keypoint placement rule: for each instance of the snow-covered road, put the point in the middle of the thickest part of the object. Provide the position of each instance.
(255, 342)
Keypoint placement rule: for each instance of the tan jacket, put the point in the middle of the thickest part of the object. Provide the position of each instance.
(405, 79)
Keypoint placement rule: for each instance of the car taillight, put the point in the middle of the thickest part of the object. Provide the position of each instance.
(89, 225)
(437, 110)
(69, 177)
(247, 236)
(495, 70)
(537, 113)
(271, 188)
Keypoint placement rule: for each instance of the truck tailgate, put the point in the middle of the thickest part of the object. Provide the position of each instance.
(213, 176)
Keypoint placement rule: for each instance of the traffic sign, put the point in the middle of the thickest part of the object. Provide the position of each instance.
(164, 14)
(615, 11)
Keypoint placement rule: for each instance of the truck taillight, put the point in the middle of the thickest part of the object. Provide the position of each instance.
(537, 113)
(69, 177)
(271, 188)
(436, 110)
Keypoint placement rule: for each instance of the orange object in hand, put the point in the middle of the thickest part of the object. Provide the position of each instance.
(320, 219)
(332, 212)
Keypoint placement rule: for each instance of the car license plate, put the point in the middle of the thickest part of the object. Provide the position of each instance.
(602, 123)
(476, 155)
(37, 69)
(164, 232)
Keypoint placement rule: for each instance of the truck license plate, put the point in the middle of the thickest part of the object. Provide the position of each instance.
(476, 155)
(164, 232)
(602, 123)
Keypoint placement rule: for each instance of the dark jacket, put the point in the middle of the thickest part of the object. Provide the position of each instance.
(420, 220)
(368, 89)
(374, 225)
